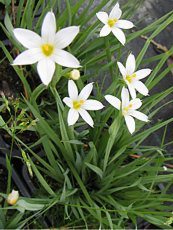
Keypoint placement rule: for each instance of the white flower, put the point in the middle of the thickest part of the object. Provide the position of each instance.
(47, 49)
(165, 168)
(79, 104)
(13, 197)
(112, 23)
(128, 108)
(75, 74)
(132, 78)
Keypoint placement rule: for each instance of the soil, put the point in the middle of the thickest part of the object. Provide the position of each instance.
(149, 12)
(3, 178)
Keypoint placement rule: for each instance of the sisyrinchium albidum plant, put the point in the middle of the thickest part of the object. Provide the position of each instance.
(94, 170)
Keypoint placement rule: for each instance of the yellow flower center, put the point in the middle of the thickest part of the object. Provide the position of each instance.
(126, 109)
(130, 78)
(47, 49)
(78, 104)
(112, 21)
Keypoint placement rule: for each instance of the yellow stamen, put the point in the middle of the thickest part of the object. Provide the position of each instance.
(126, 109)
(130, 106)
(47, 49)
(130, 78)
(78, 104)
(112, 21)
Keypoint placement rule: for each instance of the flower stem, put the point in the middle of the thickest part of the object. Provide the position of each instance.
(109, 56)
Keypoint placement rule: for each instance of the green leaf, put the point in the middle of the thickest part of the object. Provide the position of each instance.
(8, 23)
(95, 169)
(40, 178)
(23, 205)
(113, 131)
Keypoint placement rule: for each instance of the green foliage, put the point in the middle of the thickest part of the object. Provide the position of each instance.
(88, 177)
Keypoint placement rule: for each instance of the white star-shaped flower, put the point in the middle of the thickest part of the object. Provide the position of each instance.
(128, 108)
(79, 103)
(47, 49)
(112, 23)
(132, 78)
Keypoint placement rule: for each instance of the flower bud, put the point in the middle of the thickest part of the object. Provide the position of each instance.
(75, 74)
(13, 197)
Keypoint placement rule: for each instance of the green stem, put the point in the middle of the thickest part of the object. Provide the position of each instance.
(109, 56)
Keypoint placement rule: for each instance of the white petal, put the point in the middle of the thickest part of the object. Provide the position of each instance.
(73, 116)
(86, 91)
(130, 64)
(85, 115)
(28, 57)
(124, 24)
(27, 38)
(139, 116)
(132, 90)
(64, 58)
(68, 101)
(122, 69)
(124, 97)
(48, 29)
(115, 12)
(114, 101)
(136, 103)
(130, 122)
(141, 88)
(64, 37)
(118, 33)
(72, 90)
(105, 31)
(92, 105)
(102, 16)
(142, 73)
(46, 69)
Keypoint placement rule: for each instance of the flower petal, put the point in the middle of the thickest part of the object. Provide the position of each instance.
(73, 116)
(64, 58)
(27, 38)
(141, 88)
(130, 64)
(64, 37)
(105, 31)
(130, 122)
(68, 101)
(48, 29)
(140, 74)
(72, 90)
(85, 115)
(115, 12)
(124, 97)
(131, 90)
(136, 103)
(122, 69)
(139, 116)
(114, 101)
(46, 69)
(28, 57)
(102, 16)
(118, 33)
(92, 105)
(86, 91)
(124, 24)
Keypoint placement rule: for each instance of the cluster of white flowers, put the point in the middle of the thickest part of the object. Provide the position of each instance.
(132, 80)
(47, 49)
